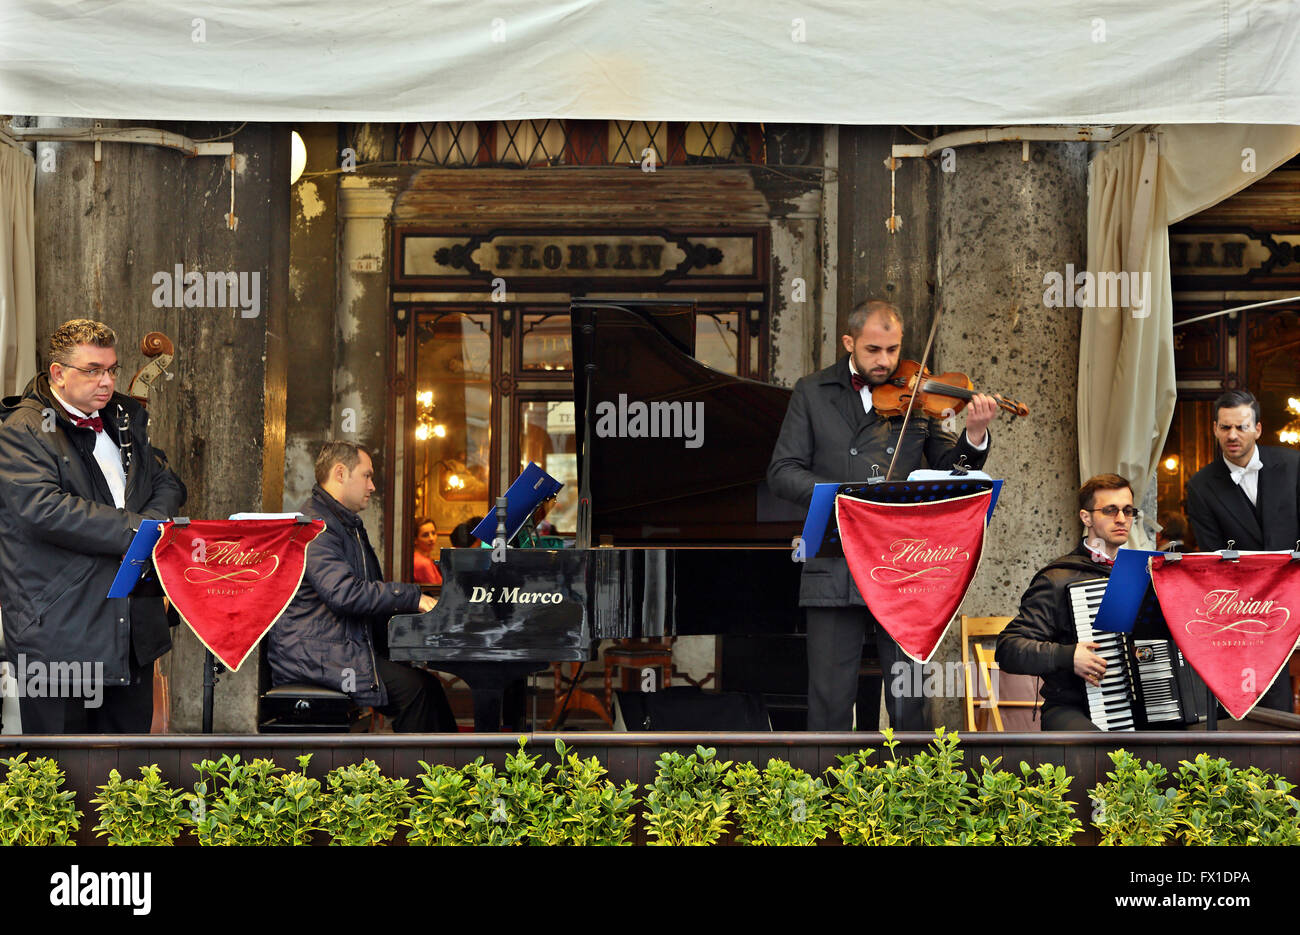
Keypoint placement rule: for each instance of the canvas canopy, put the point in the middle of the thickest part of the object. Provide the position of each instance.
(828, 61)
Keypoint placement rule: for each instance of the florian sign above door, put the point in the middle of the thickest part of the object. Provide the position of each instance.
(1234, 258)
(643, 258)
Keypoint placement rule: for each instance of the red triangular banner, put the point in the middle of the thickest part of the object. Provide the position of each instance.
(913, 582)
(1237, 622)
(230, 580)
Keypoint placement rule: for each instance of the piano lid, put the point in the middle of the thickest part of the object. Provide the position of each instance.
(679, 452)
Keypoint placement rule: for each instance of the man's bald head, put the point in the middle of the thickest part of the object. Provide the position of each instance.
(876, 311)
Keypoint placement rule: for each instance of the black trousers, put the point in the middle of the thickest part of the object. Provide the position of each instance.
(835, 636)
(416, 702)
(125, 709)
(1062, 717)
(1278, 696)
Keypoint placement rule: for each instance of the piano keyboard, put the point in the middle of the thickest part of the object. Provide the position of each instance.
(1110, 704)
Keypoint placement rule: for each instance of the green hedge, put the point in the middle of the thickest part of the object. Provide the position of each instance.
(695, 799)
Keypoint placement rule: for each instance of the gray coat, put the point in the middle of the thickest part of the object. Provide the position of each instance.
(827, 437)
(325, 636)
(62, 539)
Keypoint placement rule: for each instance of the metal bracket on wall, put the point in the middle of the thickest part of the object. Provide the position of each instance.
(950, 141)
(1022, 135)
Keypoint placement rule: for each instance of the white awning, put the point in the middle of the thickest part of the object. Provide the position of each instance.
(812, 61)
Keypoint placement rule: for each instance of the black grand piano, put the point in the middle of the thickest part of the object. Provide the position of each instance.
(678, 533)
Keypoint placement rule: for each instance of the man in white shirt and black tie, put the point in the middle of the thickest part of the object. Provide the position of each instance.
(77, 478)
(1249, 495)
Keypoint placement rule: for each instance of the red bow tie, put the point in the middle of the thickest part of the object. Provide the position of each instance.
(857, 381)
(94, 422)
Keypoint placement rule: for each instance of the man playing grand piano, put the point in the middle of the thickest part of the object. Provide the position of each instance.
(831, 434)
(327, 634)
(1042, 639)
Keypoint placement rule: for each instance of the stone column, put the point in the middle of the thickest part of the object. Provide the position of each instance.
(1003, 224)
(361, 331)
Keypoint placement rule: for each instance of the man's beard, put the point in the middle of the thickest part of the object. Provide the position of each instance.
(873, 379)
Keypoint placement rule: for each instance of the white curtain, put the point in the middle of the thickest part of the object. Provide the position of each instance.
(17, 270)
(830, 61)
(1137, 188)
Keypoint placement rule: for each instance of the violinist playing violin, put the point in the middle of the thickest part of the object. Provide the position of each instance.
(833, 433)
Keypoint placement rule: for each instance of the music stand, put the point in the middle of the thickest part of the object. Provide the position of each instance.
(530, 490)
(821, 530)
(1130, 606)
(138, 559)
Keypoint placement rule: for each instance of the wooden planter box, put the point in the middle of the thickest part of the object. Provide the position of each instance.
(87, 760)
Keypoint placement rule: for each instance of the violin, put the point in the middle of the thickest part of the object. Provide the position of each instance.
(937, 396)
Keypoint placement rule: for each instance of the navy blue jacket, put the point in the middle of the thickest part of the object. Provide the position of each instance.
(324, 636)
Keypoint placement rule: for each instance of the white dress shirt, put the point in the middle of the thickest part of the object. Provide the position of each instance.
(106, 454)
(865, 393)
(1247, 478)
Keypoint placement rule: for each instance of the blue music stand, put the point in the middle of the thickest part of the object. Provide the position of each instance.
(819, 527)
(1130, 599)
(1125, 591)
(138, 558)
(530, 489)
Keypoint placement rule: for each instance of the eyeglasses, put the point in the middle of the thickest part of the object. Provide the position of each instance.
(96, 372)
(1112, 511)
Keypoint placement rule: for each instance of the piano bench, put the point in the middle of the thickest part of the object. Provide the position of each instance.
(300, 707)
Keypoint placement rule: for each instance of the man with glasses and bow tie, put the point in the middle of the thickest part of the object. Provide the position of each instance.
(1249, 495)
(1042, 640)
(77, 477)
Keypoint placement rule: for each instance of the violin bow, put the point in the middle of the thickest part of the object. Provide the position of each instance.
(907, 415)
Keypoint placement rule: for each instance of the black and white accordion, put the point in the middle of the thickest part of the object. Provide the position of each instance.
(1148, 684)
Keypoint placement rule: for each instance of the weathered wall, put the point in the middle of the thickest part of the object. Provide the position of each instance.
(873, 263)
(103, 231)
(313, 294)
(796, 196)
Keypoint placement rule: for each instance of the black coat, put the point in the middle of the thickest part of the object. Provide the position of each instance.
(1041, 639)
(324, 636)
(62, 539)
(1219, 510)
(827, 437)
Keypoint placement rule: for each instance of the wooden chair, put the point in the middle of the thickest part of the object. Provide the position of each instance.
(570, 696)
(974, 630)
(637, 655)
